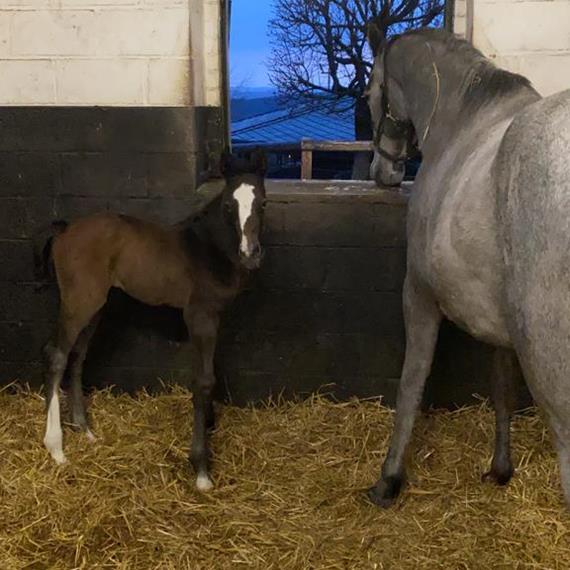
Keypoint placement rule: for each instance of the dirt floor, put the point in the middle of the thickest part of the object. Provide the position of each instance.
(290, 483)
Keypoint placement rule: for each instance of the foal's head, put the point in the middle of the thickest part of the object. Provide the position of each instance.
(243, 202)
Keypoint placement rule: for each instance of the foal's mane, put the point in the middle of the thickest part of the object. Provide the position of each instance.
(482, 81)
(207, 240)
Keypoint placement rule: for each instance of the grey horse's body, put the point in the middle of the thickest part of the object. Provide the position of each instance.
(488, 229)
(533, 215)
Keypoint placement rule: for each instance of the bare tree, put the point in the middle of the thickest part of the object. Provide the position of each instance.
(319, 52)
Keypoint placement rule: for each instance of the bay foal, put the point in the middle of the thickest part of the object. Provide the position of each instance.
(198, 266)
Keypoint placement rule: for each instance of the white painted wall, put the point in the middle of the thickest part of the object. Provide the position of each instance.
(531, 37)
(109, 52)
(206, 49)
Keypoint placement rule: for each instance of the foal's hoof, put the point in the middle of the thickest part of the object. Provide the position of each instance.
(90, 436)
(81, 426)
(58, 457)
(498, 476)
(55, 449)
(386, 491)
(204, 483)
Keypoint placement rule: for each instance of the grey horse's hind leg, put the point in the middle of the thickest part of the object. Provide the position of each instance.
(77, 360)
(562, 441)
(422, 318)
(503, 385)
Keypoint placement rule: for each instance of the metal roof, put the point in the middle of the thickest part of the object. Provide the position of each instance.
(291, 125)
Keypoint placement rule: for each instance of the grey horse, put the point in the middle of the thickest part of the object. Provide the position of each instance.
(488, 227)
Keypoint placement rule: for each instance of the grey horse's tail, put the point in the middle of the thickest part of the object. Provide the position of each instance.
(42, 243)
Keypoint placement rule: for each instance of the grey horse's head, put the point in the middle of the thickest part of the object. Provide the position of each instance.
(393, 130)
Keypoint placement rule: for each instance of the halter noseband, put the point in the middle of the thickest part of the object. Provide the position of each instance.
(392, 128)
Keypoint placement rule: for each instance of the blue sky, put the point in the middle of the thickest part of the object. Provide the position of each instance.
(249, 43)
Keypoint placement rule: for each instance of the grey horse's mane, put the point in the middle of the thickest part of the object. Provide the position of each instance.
(482, 82)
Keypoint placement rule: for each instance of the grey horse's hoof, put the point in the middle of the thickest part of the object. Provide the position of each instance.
(386, 491)
(498, 476)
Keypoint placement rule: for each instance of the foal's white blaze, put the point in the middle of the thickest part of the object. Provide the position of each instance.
(204, 483)
(244, 195)
(53, 439)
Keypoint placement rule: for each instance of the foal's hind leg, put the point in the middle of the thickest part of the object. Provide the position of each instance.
(422, 318)
(77, 360)
(505, 372)
(56, 362)
(202, 326)
(57, 354)
(76, 313)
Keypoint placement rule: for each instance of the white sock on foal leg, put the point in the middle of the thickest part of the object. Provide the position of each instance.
(53, 439)
(204, 483)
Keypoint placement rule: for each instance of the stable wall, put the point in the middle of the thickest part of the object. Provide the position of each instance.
(133, 58)
(104, 105)
(530, 37)
(326, 306)
(94, 52)
(323, 314)
(110, 52)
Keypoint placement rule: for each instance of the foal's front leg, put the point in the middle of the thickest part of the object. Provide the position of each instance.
(203, 329)
(422, 319)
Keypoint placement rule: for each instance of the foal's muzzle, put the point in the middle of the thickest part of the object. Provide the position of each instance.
(252, 260)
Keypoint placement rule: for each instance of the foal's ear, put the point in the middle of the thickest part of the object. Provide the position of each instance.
(258, 161)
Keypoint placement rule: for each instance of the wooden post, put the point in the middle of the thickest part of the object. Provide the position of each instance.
(306, 161)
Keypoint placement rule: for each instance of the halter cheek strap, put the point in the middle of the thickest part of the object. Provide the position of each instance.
(394, 129)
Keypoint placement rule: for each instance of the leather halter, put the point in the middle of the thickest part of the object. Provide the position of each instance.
(392, 127)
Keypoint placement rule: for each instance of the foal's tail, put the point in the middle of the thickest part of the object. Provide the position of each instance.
(42, 250)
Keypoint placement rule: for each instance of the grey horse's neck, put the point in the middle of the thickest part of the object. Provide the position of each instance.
(449, 85)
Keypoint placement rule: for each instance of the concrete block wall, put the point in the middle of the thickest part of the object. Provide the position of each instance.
(99, 110)
(325, 311)
(326, 307)
(323, 314)
(96, 52)
(531, 37)
(69, 162)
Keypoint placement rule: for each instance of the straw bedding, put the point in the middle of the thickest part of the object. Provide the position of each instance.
(289, 491)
